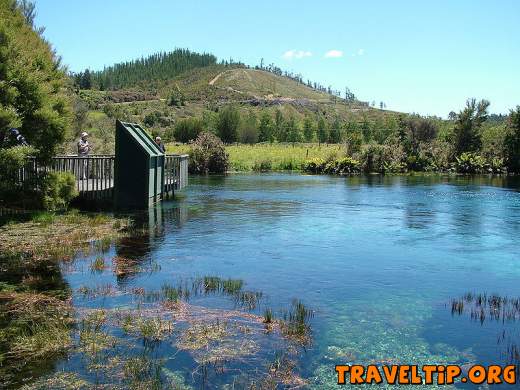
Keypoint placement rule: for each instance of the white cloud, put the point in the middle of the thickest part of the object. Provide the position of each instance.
(334, 54)
(297, 54)
(361, 52)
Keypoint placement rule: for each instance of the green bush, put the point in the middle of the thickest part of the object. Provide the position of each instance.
(263, 165)
(188, 129)
(496, 165)
(228, 123)
(373, 158)
(57, 190)
(11, 161)
(314, 165)
(347, 165)
(512, 141)
(341, 166)
(208, 155)
(470, 163)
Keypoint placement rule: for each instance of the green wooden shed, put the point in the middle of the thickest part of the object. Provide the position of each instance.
(138, 168)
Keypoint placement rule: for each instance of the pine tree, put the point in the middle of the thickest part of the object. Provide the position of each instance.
(86, 80)
(279, 127)
(323, 131)
(335, 132)
(292, 130)
(468, 124)
(308, 129)
(227, 124)
(159, 66)
(265, 129)
(32, 84)
(512, 141)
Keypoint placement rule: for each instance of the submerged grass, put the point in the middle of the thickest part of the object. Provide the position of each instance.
(32, 327)
(50, 236)
(35, 309)
(295, 322)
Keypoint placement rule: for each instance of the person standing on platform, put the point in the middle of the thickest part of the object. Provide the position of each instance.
(160, 144)
(83, 151)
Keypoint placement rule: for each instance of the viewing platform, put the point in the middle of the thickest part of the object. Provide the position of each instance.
(137, 175)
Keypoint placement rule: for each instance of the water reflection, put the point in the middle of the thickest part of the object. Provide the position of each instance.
(134, 252)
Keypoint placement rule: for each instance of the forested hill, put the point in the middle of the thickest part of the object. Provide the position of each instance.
(159, 66)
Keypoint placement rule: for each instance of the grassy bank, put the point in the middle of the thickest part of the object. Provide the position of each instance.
(272, 157)
(35, 308)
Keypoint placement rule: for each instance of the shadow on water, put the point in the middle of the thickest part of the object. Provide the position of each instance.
(133, 252)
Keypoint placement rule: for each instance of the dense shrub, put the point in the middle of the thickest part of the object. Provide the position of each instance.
(188, 129)
(228, 123)
(512, 141)
(208, 155)
(248, 130)
(436, 156)
(52, 191)
(473, 163)
(373, 158)
(263, 165)
(176, 98)
(11, 161)
(470, 163)
(345, 165)
(341, 166)
(314, 165)
(57, 190)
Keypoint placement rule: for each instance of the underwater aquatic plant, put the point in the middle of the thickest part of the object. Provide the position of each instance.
(268, 316)
(98, 265)
(295, 322)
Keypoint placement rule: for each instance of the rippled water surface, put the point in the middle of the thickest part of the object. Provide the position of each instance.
(377, 260)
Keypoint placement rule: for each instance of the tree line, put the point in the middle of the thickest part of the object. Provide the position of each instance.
(472, 140)
(159, 66)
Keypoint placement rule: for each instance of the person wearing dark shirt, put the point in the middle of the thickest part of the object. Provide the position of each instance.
(160, 145)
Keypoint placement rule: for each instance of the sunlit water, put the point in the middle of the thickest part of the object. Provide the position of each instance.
(378, 260)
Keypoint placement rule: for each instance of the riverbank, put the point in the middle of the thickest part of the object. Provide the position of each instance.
(35, 305)
(333, 159)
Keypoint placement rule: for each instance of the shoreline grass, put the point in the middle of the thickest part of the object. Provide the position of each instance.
(35, 306)
(271, 157)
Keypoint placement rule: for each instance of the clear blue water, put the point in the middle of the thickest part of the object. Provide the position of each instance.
(378, 260)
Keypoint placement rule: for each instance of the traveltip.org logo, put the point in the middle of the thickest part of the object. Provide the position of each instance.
(426, 375)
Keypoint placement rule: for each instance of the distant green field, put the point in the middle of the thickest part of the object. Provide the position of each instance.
(274, 157)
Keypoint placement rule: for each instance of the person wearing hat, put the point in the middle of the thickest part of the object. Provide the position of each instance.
(83, 151)
(83, 145)
(160, 145)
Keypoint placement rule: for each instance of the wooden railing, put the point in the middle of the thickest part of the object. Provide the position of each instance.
(175, 172)
(95, 174)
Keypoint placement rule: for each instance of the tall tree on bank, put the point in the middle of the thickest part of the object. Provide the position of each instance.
(512, 141)
(308, 129)
(335, 132)
(32, 84)
(227, 124)
(279, 127)
(265, 129)
(468, 124)
(323, 131)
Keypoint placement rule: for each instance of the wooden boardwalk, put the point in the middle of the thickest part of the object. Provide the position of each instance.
(95, 174)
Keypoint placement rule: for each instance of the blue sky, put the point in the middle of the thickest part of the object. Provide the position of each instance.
(416, 56)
